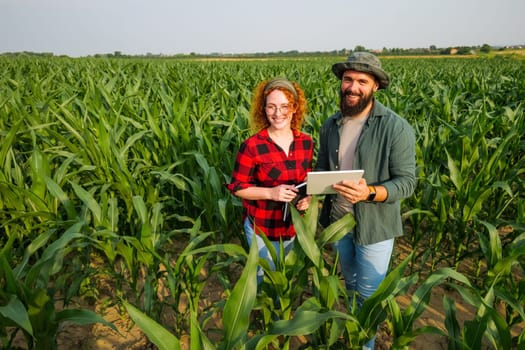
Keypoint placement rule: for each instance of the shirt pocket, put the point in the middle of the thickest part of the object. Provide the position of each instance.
(269, 173)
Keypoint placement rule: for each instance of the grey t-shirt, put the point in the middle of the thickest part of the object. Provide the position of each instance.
(349, 135)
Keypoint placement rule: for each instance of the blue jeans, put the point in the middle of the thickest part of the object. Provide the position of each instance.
(364, 267)
(263, 249)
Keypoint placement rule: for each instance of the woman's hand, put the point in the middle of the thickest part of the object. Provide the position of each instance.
(304, 203)
(283, 193)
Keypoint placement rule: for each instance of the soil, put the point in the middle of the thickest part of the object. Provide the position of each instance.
(100, 337)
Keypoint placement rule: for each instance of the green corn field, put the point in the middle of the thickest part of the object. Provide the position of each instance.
(113, 170)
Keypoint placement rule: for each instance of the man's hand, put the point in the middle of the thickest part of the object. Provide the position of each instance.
(353, 191)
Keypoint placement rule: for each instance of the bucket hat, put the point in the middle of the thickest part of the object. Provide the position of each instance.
(363, 62)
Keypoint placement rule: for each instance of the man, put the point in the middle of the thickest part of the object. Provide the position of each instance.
(365, 134)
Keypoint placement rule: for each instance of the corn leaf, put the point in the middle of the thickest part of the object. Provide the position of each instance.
(240, 303)
(155, 332)
(16, 312)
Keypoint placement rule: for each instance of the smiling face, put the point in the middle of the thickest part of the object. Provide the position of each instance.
(357, 91)
(278, 110)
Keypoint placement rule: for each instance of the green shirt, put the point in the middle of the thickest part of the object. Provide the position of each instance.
(386, 151)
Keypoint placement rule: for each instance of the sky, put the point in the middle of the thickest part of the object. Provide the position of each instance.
(87, 27)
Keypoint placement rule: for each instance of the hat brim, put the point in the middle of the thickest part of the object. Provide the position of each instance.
(382, 77)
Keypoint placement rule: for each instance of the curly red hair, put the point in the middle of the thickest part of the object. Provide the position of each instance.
(258, 117)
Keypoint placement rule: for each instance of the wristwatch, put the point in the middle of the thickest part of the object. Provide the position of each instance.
(372, 194)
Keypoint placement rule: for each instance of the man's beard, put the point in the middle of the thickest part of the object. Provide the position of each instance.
(350, 111)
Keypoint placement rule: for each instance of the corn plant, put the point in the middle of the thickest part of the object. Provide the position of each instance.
(138, 150)
(287, 283)
(28, 301)
(469, 152)
(236, 309)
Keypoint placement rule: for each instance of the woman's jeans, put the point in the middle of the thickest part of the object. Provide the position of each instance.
(364, 267)
(263, 249)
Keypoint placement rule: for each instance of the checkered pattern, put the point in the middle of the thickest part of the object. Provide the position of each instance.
(260, 162)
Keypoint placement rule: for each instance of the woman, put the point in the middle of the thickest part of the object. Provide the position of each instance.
(270, 163)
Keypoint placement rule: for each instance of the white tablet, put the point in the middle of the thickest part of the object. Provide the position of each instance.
(320, 182)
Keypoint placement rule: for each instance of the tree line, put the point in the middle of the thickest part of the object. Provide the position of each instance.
(432, 50)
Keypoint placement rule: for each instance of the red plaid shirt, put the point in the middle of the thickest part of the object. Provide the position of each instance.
(260, 162)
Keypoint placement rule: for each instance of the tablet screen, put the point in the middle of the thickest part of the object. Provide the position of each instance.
(320, 182)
